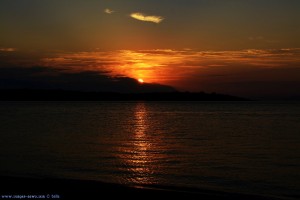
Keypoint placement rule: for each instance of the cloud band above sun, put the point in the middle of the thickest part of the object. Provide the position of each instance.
(147, 18)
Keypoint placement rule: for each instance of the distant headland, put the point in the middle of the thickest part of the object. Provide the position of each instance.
(68, 95)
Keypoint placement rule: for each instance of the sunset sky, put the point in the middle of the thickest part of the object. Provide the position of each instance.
(240, 47)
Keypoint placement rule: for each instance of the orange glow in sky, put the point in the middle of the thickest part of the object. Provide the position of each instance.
(213, 46)
(188, 69)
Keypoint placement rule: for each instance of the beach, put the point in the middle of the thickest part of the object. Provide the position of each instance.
(48, 188)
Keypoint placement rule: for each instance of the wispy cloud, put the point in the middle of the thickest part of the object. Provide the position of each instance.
(147, 18)
(8, 49)
(109, 11)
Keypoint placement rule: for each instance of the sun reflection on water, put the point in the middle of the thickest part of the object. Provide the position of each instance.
(138, 157)
(140, 114)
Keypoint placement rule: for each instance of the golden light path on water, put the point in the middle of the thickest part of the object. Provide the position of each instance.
(141, 145)
(138, 158)
(143, 156)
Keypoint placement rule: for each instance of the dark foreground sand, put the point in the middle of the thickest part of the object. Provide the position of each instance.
(71, 189)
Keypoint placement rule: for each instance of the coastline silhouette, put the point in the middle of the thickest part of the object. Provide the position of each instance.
(69, 95)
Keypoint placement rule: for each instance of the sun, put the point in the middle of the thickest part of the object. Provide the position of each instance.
(141, 80)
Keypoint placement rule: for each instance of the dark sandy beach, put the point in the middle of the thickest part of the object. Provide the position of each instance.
(26, 188)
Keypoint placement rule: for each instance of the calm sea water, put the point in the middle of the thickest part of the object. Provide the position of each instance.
(248, 147)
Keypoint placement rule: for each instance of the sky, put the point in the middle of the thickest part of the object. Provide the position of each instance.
(240, 47)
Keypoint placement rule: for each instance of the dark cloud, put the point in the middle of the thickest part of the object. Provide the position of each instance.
(13, 77)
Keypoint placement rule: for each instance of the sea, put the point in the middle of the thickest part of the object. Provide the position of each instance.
(249, 147)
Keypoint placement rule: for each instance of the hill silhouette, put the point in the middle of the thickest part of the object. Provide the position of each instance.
(39, 78)
(38, 83)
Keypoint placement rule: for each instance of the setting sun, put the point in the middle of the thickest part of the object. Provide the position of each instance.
(141, 80)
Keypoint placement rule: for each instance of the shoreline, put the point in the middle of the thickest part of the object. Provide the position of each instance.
(87, 189)
(68, 95)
